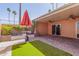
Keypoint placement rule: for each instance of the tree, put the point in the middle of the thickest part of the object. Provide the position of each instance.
(14, 12)
(8, 9)
(49, 10)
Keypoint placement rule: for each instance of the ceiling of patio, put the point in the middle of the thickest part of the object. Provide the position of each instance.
(61, 14)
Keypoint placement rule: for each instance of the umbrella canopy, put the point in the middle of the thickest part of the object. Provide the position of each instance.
(26, 20)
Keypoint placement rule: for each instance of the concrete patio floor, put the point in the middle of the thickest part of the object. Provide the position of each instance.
(68, 45)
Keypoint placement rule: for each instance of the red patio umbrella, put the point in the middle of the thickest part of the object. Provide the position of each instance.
(26, 20)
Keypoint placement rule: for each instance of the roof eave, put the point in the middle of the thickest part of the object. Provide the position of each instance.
(67, 6)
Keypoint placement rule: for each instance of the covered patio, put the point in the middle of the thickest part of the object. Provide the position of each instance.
(66, 16)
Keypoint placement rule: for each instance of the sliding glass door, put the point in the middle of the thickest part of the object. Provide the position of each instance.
(56, 29)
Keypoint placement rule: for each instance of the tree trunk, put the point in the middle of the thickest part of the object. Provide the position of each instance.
(14, 19)
(9, 17)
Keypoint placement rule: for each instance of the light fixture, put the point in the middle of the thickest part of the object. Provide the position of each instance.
(73, 16)
(50, 21)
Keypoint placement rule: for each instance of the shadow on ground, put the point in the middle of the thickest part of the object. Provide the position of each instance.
(17, 46)
(48, 50)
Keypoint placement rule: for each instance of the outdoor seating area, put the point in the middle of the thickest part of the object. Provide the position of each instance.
(52, 34)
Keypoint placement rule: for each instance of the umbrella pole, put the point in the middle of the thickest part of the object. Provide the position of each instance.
(27, 37)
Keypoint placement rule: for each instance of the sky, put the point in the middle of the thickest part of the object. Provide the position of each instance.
(34, 10)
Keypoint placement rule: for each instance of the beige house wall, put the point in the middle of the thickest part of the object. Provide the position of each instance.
(42, 28)
(49, 28)
(68, 28)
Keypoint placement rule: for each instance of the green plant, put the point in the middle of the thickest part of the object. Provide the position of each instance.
(11, 29)
(24, 28)
(6, 29)
(17, 30)
(17, 27)
(37, 48)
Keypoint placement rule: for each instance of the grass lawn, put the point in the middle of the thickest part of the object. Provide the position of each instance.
(37, 48)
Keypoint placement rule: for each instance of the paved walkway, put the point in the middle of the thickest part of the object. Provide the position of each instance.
(68, 45)
(10, 43)
(6, 51)
(5, 47)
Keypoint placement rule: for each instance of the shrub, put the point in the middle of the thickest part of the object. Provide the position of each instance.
(6, 29)
(24, 29)
(12, 29)
(17, 30)
(17, 27)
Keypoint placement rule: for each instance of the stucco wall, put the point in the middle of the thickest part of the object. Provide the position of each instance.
(68, 28)
(49, 28)
(42, 28)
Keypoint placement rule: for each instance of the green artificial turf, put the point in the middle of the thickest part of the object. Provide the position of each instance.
(37, 48)
(26, 49)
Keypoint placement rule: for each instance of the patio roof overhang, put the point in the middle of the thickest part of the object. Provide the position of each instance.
(61, 13)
